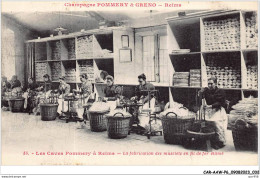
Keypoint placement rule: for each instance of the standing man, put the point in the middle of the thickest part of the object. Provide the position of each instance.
(215, 112)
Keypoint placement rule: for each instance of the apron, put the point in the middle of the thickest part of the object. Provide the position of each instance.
(41, 98)
(77, 106)
(144, 117)
(111, 105)
(220, 121)
(25, 96)
(63, 104)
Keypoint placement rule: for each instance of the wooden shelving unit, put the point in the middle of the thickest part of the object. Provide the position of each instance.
(71, 52)
(219, 42)
(227, 35)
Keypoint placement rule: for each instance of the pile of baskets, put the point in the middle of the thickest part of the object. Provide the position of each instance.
(116, 122)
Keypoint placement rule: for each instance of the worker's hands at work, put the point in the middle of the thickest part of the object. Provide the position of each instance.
(201, 91)
(133, 98)
(105, 99)
(207, 106)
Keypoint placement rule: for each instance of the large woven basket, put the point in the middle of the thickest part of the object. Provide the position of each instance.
(48, 111)
(118, 125)
(98, 122)
(245, 139)
(16, 104)
(174, 129)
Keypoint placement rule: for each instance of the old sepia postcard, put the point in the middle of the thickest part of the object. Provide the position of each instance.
(128, 83)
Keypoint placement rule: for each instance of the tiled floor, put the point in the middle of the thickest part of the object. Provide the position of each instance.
(22, 132)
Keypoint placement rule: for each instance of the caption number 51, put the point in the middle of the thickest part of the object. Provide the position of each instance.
(25, 153)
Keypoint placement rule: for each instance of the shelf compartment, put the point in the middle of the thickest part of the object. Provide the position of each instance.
(251, 30)
(251, 70)
(186, 96)
(180, 54)
(69, 70)
(221, 32)
(68, 49)
(226, 67)
(54, 50)
(184, 34)
(55, 70)
(103, 46)
(106, 65)
(183, 63)
(84, 47)
(248, 93)
(87, 67)
(40, 51)
(40, 70)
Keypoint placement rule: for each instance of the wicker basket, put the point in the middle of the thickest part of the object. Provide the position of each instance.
(48, 111)
(118, 125)
(97, 120)
(16, 104)
(174, 129)
(245, 139)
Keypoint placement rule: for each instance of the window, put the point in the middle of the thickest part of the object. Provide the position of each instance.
(163, 59)
(149, 57)
(155, 57)
(8, 53)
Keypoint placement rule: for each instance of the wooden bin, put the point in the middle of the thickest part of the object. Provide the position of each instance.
(118, 125)
(16, 104)
(48, 111)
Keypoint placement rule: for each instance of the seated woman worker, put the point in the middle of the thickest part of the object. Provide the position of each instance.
(112, 92)
(44, 92)
(215, 112)
(86, 86)
(16, 86)
(63, 90)
(5, 85)
(29, 92)
(141, 95)
(47, 85)
(86, 89)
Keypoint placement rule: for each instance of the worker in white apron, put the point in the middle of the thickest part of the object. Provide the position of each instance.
(64, 89)
(141, 95)
(214, 111)
(86, 94)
